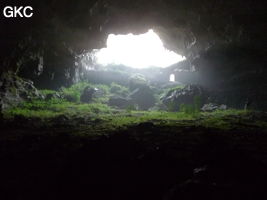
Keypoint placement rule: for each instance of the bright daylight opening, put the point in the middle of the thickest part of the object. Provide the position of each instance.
(172, 78)
(137, 51)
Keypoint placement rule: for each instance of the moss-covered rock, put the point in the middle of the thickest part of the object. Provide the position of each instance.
(14, 90)
(188, 95)
(144, 97)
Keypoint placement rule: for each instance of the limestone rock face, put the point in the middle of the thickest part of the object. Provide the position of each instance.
(14, 90)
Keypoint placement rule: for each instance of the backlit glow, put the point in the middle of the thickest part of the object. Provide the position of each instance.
(172, 78)
(137, 51)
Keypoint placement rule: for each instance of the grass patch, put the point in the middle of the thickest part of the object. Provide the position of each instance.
(176, 88)
(73, 93)
(119, 89)
(55, 107)
(223, 120)
(48, 92)
(126, 119)
(112, 119)
(226, 119)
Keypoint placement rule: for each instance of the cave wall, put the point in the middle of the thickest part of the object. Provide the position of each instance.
(235, 74)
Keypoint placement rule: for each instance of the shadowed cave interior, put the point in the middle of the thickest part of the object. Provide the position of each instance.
(120, 99)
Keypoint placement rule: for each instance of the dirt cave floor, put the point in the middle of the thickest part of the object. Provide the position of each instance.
(146, 160)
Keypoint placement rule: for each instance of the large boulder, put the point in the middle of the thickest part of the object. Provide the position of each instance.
(187, 95)
(120, 102)
(143, 97)
(137, 81)
(14, 90)
(88, 94)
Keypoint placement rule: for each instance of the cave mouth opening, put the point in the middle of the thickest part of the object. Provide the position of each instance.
(136, 51)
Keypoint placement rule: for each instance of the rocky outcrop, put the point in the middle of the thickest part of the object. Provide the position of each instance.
(14, 90)
(141, 98)
(187, 95)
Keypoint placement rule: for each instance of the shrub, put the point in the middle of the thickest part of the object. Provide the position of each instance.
(74, 92)
(104, 88)
(47, 92)
(136, 81)
(131, 108)
(171, 106)
(191, 108)
(187, 108)
(119, 89)
(197, 103)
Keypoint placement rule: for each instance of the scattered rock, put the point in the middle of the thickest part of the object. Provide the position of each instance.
(212, 107)
(55, 95)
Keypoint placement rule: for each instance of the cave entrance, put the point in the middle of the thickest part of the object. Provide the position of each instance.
(136, 51)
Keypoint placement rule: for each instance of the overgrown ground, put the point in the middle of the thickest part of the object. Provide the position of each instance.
(58, 149)
(101, 117)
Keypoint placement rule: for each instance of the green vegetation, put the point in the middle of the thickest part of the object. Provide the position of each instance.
(112, 119)
(192, 109)
(119, 89)
(55, 107)
(66, 102)
(123, 120)
(74, 92)
(224, 120)
(137, 80)
(48, 92)
(176, 88)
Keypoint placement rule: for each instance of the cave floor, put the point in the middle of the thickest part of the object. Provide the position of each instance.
(148, 159)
